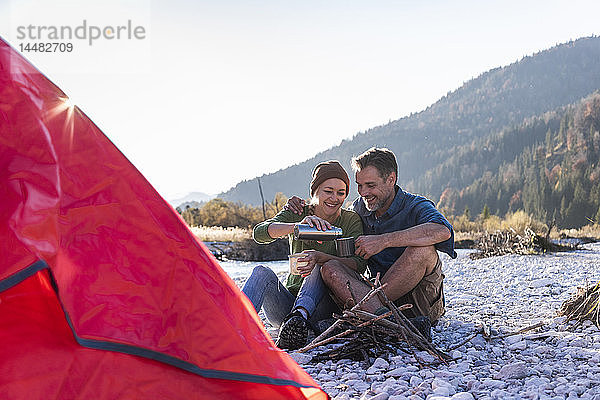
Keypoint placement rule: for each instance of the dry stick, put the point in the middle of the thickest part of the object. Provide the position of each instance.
(339, 335)
(583, 305)
(413, 332)
(366, 316)
(367, 297)
(400, 318)
(384, 300)
(526, 329)
(467, 340)
(404, 330)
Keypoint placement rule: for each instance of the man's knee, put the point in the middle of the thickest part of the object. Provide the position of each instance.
(425, 257)
(332, 271)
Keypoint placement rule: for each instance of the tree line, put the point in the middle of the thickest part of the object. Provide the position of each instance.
(218, 212)
(554, 174)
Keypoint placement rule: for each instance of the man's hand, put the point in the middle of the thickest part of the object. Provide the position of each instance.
(369, 245)
(294, 204)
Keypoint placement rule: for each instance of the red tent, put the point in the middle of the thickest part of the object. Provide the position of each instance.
(104, 292)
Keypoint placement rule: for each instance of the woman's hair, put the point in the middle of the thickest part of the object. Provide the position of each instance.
(327, 170)
(322, 172)
(382, 159)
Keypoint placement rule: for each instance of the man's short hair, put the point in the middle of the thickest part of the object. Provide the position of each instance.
(382, 159)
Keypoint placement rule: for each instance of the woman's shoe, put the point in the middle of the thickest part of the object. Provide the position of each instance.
(293, 332)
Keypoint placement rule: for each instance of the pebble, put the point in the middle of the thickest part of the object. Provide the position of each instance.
(380, 363)
(505, 294)
(493, 383)
(415, 380)
(522, 345)
(301, 358)
(515, 370)
(538, 283)
(380, 396)
(396, 372)
(462, 396)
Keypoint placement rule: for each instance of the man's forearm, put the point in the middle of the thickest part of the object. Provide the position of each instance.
(426, 234)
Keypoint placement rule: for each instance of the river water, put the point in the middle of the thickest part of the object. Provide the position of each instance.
(242, 269)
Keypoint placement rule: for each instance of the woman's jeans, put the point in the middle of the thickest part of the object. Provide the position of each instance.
(264, 290)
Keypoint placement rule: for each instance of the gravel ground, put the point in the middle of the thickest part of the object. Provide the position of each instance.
(507, 293)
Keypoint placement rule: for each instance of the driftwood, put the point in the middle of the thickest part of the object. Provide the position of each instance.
(499, 243)
(249, 250)
(367, 335)
(584, 305)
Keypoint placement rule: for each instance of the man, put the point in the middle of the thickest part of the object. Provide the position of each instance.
(403, 232)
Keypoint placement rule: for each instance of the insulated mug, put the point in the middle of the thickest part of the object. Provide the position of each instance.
(344, 247)
(294, 263)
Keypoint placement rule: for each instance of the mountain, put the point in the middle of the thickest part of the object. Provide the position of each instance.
(549, 167)
(483, 109)
(192, 199)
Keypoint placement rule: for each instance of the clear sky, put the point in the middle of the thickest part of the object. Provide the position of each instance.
(220, 91)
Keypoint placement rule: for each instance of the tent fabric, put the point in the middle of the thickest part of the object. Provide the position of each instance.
(103, 288)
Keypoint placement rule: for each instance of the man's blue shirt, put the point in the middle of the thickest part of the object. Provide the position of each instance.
(407, 210)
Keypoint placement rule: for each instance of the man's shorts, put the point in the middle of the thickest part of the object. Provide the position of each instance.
(427, 298)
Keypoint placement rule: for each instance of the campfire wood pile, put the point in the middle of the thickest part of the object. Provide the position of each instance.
(584, 305)
(367, 335)
(499, 243)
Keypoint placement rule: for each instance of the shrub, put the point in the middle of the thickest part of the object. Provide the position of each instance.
(519, 220)
(220, 234)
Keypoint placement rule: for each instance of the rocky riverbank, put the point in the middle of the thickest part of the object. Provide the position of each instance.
(488, 300)
(249, 250)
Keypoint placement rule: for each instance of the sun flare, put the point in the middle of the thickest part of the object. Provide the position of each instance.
(64, 109)
(68, 103)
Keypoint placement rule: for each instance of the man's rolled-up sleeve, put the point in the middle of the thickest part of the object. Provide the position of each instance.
(426, 212)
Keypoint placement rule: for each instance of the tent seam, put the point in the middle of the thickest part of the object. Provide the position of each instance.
(39, 265)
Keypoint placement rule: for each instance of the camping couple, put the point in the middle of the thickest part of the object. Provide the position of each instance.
(397, 234)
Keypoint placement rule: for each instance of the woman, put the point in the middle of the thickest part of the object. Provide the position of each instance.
(304, 298)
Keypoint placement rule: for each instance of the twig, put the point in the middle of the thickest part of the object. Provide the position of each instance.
(526, 329)
(342, 334)
(483, 329)
(382, 335)
(467, 340)
(366, 316)
(337, 323)
(408, 329)
(402, 320)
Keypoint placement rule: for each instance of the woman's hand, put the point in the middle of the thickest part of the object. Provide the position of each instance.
(313, 257)
(316, 222)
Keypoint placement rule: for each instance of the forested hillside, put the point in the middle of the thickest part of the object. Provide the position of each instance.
(555, 175)
(470, 134)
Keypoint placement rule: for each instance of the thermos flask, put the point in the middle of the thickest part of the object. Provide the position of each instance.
(305, 232)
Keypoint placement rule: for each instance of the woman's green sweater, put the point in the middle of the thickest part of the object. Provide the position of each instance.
(349, 221)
